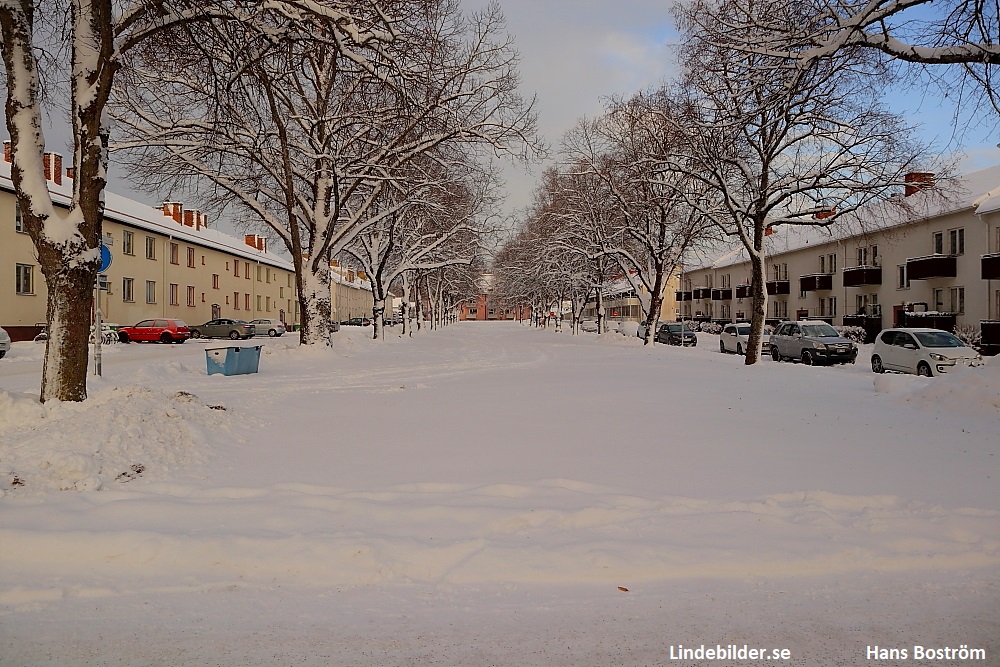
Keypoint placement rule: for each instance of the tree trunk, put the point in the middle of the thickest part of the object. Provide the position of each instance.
(315, 303)
(758, 293)
(378, 313)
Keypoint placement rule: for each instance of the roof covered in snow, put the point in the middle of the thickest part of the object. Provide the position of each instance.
(136, 214)
(978, 191)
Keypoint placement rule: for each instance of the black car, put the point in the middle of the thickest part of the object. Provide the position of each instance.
(356, 322)
(675, 333)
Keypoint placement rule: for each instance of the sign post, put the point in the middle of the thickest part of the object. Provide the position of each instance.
(105, 263)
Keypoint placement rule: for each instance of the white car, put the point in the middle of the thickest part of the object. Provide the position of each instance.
(4, 343)
(272, 328)
(734, 338)
(588, 325)
(927, 352)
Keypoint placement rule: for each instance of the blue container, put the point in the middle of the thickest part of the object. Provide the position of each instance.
(233, 360)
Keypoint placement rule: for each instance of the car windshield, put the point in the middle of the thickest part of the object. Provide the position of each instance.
(819, 331)
(743, 331)
(937, 339)
(677, 327)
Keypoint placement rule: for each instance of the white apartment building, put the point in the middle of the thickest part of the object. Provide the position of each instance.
(934, 262)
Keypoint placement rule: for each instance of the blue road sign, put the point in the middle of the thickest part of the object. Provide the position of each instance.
(105, 259)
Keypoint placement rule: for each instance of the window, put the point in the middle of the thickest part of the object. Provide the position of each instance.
(281, 292)
(246, 302)
(902, 280)
(215, 281)
(174, 294)
(937, 296)
(956, 241)
(473, 311)
(128, 293)
(174, 254)
(190, 257)
(267, 274)
(246, 270)
(127, 243)
(203, 260)
(267, 304)
(957, 299)
(862, 256)
(875, 259)
(832, 308)
(938, 243)
(236, 300)
(150, 291)
(24, 282)
(150, 247)
(190, 295)
(822, 263)
(861, 302)
(259, 269)
(236, 268)
(258, 302)
(18, 220)
(289, 280)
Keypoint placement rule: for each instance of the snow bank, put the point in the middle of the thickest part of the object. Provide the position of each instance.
(967, 391)
(116, 436)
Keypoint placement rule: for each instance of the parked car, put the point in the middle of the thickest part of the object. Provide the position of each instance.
(223, 328)
(590, 326)
(926, 352)
(735, 337)
(162, 330)
(812, 342)
(356, 322)
(265, 326)
(675, 333)
(4, 343)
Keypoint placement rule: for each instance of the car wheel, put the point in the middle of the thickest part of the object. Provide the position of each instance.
(877, 364)
(739, 349)
(807, 358)
(165, 337)
(774, 354)
(179, 340)
(195, 333)
(722, 347)
(2, 353)
(122, 337)
(924, 370)
(234, 335)
(272, 333)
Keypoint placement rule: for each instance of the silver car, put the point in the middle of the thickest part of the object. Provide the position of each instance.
(811, 342)
(268, 327)
(4, 343)
(223, 328)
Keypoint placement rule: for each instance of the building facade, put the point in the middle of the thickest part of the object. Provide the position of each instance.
(936, 264)
(621, 303)
(165, 262)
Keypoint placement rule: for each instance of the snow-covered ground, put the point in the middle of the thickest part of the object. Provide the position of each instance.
(495, 494)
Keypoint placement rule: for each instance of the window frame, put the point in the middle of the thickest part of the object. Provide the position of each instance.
(24, 279)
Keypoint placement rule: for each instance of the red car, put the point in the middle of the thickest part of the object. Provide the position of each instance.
(164, 331)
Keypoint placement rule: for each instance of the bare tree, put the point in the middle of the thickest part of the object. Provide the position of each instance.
(102, 37)
(310, 139)
(625, 149)
(775, 143)
(963, 35)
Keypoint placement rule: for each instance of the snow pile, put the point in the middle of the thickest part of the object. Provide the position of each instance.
(117, 435)
(964, 390)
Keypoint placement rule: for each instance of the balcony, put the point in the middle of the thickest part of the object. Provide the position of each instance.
(991, 336)
(743, 292)
(724, 294)
(991, 266)
(872, 324)
(683, 295)
(931, 266)
(702, 293)
(856, 276)
(816, 282)
(931, 320)
(779, 287)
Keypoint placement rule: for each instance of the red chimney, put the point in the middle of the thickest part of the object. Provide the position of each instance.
(46, 165)
(57, 168)
(7, 157)
(254, 241)
(174, 210)
(191, 216)
(70, 172)
(823, 215)
(917, 181)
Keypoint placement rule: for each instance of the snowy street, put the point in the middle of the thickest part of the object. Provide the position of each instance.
(494, 494)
